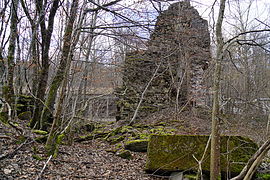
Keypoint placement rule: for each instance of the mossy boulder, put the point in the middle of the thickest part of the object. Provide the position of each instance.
(168, 153)
(125, 154)
(139, 145)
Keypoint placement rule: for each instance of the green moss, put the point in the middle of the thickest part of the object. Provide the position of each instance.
(19, 106)
(160, 130)
(37, 157)
(34, 149)
(100, 133)
(119, 146)
(191, 176)
(40, 132)
(136, 141)
(115, 139)
(53, 147)
(85, 138)
(111, 150)
(175, 152)
(126, 129)
(14, 124)
(263, 176)
(162, 124)
(125, 154)
(25, 98)
(60, 138)
(143, 136)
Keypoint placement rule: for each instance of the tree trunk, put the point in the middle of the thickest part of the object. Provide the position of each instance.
(8, 90)
(46, 34)
(51, 144)
(215, 138)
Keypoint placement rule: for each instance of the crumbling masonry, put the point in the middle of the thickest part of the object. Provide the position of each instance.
(179, 53)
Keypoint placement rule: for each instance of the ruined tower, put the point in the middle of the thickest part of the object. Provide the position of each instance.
(179, 51)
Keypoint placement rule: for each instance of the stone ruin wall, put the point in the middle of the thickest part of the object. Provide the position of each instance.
(180, 47)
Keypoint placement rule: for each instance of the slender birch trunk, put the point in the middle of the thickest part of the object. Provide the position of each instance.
(215, 138)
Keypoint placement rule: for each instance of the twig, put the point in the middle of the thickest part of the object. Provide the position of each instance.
(200, 161)
(142, 95)
(253, 162)
(17, 128)
(44, 167)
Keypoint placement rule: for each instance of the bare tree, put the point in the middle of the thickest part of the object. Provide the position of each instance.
(58, 79)
(215, 134)
(9, 89)
(46, 34)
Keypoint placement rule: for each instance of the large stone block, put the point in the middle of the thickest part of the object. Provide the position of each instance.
(167, 153)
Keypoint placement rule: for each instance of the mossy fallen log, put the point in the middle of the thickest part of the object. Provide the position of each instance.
(168, 153)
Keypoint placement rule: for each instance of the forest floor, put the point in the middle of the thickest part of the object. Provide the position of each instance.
(92, 159)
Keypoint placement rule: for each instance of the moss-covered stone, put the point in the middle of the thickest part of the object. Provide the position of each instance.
(125, 154)
(175, 152)
(25, 115)
(139, 145)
